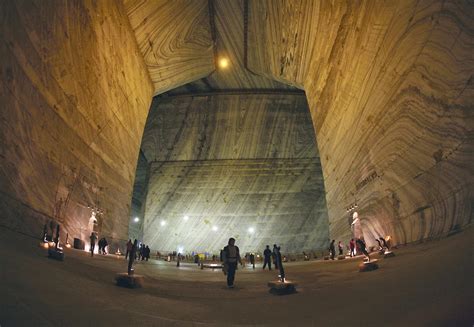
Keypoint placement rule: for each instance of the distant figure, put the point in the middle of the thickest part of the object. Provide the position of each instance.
(385, 245)
(102, 244)
(252, 260)
(231, 256)
(352, 247)
(280, 264)
(380, 246)
(267, 258)
(93, 238)
(340, 247)
(131, 259)
(361, 244)
(332, 249)
(129, 248)
(274, 255)
(147, 253)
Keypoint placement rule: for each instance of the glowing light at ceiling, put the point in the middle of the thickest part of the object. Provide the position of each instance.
(136, 219)
(214, 228)
(251, 230)
(224, 62)
(186, 218)
(163, 223)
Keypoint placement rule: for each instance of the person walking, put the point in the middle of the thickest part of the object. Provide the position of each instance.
(93, 238)
(147, 253)
(352, 247)
(274, 255)
(340, 247)
(267, 258)
(231, 256)
(129, 248)
(332, 249)
(361, 244)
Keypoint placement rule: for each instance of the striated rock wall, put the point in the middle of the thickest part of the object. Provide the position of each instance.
(233, 162)
(391, 93)
(75, 94)
(175, 39)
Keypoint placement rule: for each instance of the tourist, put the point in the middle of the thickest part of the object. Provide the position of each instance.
(252, 260)
(352, 247)
(129, 248)
(267, 255)
(274, 255)
(147, 253)
(93, 238)
(380, 246)
(384, 243)
(361, 244)
(340, 247)
(332, 249)
(231, 256)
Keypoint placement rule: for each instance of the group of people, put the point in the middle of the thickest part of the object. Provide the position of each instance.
(269, 256)
(358, 244)
(142, 253)
(102, 244)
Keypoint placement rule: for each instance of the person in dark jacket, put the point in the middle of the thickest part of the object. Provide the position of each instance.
(231, 256)
(361, 244)
(129, 248)
(93, 238)
(267, 258)
(274, 255)
(332, 249)
(147, 253)
(385, 245)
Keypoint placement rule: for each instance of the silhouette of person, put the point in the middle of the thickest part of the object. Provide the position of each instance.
(231, 255)
(332, 249)
(93, 238)
(267, 258)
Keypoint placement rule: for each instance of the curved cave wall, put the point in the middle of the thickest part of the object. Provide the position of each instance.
(390, 89)
(232, 162)
(75, 95)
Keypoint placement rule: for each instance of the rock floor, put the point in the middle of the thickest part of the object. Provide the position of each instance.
(428, 284)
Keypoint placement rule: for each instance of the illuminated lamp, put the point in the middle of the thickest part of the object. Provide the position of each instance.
(223, 62)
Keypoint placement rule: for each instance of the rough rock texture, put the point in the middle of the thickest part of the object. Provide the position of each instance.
(75, 94)
(390, 87)
(233, 162)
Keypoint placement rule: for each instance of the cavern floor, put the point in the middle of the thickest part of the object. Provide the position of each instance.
(425, 284)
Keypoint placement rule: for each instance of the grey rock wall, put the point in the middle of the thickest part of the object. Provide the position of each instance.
(231, 163)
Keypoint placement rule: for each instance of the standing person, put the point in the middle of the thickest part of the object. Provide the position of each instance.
(93, 238)
(274, 255)
(352, 247)
(252, 260)
(147, 253)
(385, 245)
(129, 248)
(267, 257)
(340, 247)
(380, 246)
(231, 256)
(332, 249)
(104, 245)
(361, 244)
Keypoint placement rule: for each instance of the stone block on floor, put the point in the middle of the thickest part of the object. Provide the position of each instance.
(56, 254)
(129, 281)
(368, 266)
(282, 288)
(388, 254)
(341, 257)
